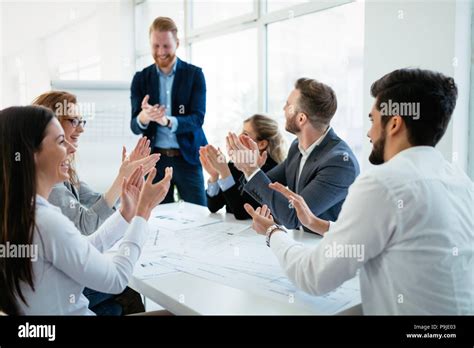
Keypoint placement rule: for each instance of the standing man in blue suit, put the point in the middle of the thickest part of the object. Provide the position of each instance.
(168, 106)
(320, 166)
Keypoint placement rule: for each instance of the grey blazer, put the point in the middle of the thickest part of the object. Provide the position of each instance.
(86, 208)
(325, 179)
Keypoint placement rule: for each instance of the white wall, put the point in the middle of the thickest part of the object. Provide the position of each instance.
(39, 37)
(463, 63)
(425, 34)
(471, 102)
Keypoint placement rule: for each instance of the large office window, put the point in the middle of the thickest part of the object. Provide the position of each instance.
(206, 13)
(230, 70)
(275, 5)
(327, 46)
(470, 155)
(252, 52)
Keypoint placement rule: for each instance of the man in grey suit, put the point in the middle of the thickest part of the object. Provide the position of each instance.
(320, 166)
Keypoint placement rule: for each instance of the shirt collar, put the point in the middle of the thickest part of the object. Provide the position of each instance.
(41, 200)
(421, 151)
(307, 152)
(173, 70)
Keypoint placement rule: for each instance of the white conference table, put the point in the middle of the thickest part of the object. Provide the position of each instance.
(183, 293)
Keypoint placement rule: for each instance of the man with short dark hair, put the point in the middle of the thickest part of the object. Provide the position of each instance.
(320, 166)
(168, 106)
(407, 223)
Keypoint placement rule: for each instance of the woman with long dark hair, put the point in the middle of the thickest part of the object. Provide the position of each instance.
(33, 158)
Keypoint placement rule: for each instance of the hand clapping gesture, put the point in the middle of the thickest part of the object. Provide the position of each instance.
(131, 188)
(139, 197)
(262, 218)
(141, 150)
(214, 162)
(244, 153)
(304, 213)
(154, 113)
(140, 156)
(153, 194)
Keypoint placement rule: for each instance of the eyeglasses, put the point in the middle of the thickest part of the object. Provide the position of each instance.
(75, 122)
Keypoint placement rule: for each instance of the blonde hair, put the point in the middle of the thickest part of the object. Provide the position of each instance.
(59, 102)
(164, 24)
(267, 129)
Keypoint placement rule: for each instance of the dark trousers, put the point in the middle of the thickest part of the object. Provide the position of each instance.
(187, 178)
(103, 304)
(128, 302)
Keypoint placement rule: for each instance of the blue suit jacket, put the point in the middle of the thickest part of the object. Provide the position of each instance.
(188, 97)
(328, 172)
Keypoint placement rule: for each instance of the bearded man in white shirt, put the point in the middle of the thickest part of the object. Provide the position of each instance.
(407, 224)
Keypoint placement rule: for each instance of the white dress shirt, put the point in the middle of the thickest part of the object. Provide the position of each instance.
(68, 261)
(409, 226)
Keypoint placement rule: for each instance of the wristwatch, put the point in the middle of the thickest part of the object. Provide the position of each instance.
(168, 123)
(270, 231)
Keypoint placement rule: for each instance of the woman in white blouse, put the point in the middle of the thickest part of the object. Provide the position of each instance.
(50, 278)
(86, 208)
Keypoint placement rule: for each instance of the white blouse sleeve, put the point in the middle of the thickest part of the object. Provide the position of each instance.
(109, 232)
(79, 257)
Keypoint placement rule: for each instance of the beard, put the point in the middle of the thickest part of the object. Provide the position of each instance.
(291, 125)
(165, 63)
(376, 156)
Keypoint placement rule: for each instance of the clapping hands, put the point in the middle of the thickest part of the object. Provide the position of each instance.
(154, 113)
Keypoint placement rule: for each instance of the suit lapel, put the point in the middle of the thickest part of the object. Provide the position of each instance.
(318, 151)
(154, 86)
(72, 188)
(294, 164)
(176, 83)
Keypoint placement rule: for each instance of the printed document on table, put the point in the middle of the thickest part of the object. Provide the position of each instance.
(232, 254)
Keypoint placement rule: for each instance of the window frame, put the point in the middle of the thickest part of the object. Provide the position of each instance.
(470, 131)
(259, 18)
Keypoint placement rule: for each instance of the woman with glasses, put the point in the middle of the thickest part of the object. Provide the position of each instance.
(76, 122)
(83, 206)
(86, 208)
